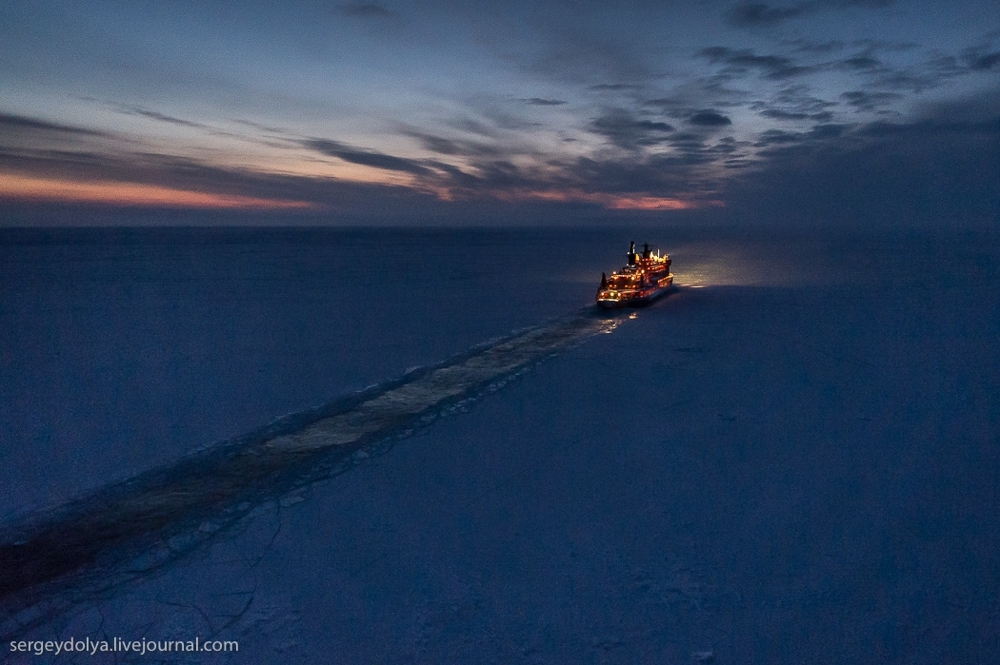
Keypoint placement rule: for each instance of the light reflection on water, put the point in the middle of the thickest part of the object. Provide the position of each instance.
(750, 263)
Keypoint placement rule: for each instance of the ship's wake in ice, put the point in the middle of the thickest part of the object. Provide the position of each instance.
(53, 561)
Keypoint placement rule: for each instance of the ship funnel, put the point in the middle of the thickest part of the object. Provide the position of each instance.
(631, 253)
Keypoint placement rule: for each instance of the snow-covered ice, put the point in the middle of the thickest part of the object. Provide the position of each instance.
(793, 458)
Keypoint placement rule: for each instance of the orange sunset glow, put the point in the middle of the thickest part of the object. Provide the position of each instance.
(608, 200)
(29, 189)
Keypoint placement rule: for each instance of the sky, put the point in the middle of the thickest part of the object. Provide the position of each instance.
(817, 111)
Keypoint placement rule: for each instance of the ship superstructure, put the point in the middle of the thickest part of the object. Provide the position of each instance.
(644, 278)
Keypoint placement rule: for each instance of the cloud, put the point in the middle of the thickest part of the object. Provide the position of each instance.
(859, 62)
(487, 171)
(622, 129)
(18, 123)
(926, 129)
(743, 60)
(802, 45)
(668, 149)
(777, 136)
(795, 103)
(667, 175)
(709, 118)
(819, 135)
(828, 131)
(985, 62)
(456, 147)
(579, 54)
(366, 157)
(918, 74)
(487, 168)
(538, 101)
(757, 14)
(778, 114)
(613, 87)
(873, 4)
(868, 101)
(473, 126)
(365, 10)
(937, 169)
(640, 180)
(440, 145)
(154, 115)
(256, 125)
(180, 174)
(933, 71)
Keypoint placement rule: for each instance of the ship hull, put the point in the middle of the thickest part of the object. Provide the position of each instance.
(641, 300)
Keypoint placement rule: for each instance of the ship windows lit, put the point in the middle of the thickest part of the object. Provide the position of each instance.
(645, 277)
